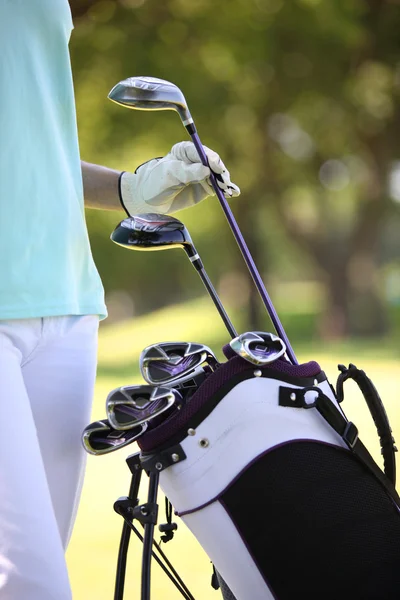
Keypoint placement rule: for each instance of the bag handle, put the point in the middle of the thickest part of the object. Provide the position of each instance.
(378, 413)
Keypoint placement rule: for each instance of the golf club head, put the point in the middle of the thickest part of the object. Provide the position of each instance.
(101, 438)
(168, 362)
(129, 406)
(150, 93)
(190, 383)
(258, 347)
(153, 231)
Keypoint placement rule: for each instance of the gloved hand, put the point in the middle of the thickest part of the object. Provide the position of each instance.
(176, 181)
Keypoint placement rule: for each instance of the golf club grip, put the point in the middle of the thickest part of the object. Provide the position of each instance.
(244, 249)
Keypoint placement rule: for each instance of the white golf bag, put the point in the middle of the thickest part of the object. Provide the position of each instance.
(269, 475)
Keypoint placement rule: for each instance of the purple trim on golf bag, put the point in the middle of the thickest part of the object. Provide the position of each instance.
(229, 353)
(234, 366)
(218, 496)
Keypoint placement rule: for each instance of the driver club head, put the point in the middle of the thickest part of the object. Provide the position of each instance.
(129, 406)
(153, 231)
(151, 93)
(167, 362)
(101, 438)
(258, 347)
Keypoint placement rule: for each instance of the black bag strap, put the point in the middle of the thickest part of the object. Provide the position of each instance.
(377, 411)
(296, 398)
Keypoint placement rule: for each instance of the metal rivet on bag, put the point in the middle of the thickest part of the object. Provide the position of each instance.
(204, 443)
(191, 432)
(293, 396)
(158, 466)
(257, 373)
(175, 457)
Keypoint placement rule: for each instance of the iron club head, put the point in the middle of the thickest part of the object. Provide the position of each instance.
(129, 406)
(258, 347)
(101, 438)
(167, 362)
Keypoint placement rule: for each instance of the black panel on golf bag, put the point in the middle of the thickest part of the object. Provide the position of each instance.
(317, 524)
(278, 489)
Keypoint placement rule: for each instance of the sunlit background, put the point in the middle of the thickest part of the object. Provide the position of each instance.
(301, 100)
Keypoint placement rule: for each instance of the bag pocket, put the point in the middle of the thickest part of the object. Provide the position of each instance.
(317, 524)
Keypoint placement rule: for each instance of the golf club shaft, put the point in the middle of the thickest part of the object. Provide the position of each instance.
(243, 247)
(217, 302)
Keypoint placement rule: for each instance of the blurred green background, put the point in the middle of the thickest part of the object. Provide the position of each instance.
(301, 100)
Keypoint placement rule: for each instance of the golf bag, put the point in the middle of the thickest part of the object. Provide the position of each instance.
(272, 479)
(260, 462)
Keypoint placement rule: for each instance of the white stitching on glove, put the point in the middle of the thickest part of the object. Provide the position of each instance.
(176, 181)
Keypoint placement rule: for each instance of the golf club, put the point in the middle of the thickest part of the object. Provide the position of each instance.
(189, 383)
(150, 93)
(159, 232)
(100, 438)
(129, 406)
(258, 347)
(167, 362)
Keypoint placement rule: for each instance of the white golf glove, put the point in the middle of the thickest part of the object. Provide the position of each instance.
(176, 181)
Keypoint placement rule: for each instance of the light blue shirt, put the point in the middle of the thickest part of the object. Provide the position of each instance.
(46, 265)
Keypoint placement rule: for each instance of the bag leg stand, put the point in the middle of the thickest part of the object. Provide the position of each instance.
(124, 506)
(128, 507)
(148, 517)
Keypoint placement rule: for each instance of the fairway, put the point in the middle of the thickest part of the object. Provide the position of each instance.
(93, 549)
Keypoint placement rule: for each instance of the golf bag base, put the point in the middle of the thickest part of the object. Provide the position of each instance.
(274, 483)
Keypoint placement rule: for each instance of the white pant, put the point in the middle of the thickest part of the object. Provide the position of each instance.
(47, 374)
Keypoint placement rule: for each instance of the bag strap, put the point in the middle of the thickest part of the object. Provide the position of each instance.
(296, 398)
(377, 411)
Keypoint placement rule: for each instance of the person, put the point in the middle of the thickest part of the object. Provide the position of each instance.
(51, 296)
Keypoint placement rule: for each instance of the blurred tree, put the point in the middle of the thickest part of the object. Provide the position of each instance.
(300, 97)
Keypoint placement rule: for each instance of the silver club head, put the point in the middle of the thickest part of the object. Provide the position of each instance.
(151, 93)
(128, 406)
(101, 438)
(169, 362)
(258, 347)
(188, 383)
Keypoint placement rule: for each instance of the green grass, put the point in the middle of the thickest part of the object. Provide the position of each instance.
(93, 549)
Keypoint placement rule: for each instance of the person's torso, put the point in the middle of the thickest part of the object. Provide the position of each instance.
(46, 266)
